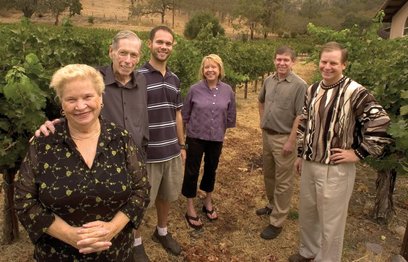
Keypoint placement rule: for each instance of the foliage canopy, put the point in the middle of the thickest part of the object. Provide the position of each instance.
(201, 21)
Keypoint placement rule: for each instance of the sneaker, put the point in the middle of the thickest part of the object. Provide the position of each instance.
(167, 242)
(139, 254)
(264, 211)
(299, 258)
(271, 232)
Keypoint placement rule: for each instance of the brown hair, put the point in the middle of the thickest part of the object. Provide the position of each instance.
(334, 46)
(286, 50)
(158, 28)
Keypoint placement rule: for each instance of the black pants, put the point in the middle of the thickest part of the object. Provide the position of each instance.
(195, 151)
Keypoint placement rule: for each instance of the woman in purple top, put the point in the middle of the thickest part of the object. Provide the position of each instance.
(208, 110)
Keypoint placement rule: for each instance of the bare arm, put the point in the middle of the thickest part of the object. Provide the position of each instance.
(298, 165)
(180, 132)
(290, 144)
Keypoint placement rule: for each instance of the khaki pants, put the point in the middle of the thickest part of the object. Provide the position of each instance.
(278, 176)
(325, 192)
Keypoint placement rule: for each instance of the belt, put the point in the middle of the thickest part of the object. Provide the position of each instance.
(273, 132)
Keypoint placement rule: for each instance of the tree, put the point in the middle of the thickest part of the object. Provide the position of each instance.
(273, 15)
(311, 8)
(28, 7)
(267, 14)
(252, 12)
(200, 21)
(152, 7)
(57, 7)
(21, 105)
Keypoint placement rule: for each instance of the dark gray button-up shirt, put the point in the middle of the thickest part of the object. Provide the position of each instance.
(127, 105)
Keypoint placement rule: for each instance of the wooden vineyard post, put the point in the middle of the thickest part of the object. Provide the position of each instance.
(404, 248)
(10, 225)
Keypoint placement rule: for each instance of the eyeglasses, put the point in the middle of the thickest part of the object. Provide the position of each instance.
(125, 54)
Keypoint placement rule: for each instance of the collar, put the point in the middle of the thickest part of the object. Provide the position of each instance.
(152, 69)
(204, 81)
(338, 83)
(289, 78)
(109, 78)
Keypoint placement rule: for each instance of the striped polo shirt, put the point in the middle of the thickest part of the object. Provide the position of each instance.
(163, 100)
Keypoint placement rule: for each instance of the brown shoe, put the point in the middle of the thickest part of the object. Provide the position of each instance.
(271, 232)
(139, 254)
(168, 242)
(299, 258)
(263, 211)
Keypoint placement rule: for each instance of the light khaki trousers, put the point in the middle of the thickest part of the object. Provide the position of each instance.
(278, 176)
(325, 192)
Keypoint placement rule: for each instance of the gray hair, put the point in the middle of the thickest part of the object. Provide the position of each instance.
(124, 34)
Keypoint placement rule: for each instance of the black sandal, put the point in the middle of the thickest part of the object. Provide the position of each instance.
(188, 218)
(209, 212)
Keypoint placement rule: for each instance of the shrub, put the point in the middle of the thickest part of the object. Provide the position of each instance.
(91, 19)
(201, 21)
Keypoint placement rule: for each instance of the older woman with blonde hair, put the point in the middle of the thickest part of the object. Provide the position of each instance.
(81, 190)
(208, 110)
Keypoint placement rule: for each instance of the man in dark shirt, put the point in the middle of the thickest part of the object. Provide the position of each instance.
(125, 100)
(125, 95)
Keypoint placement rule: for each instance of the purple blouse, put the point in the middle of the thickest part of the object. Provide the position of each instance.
(207, 112)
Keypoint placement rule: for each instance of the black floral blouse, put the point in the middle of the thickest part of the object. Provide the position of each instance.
(54, 179)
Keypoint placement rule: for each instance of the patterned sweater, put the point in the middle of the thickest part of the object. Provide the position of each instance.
(344, 115)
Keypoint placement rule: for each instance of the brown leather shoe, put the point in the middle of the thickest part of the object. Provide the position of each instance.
(263, 211)
(271, 232)
(299, 258)
(168, 242)
(139, 254)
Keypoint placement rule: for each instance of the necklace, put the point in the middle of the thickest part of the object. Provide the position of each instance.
(88, 136)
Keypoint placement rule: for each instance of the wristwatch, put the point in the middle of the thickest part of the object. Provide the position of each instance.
(183, 146)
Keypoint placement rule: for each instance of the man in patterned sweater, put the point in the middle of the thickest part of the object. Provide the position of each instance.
(341, 123)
